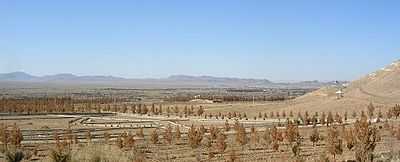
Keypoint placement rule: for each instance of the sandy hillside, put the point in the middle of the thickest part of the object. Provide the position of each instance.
(381, 87)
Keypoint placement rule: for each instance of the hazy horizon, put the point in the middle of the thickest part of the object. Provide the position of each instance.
(171, 76)
(278, 41)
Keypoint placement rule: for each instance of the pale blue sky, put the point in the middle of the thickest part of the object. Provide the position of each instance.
(277, 40)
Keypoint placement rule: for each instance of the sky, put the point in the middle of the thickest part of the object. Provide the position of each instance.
(275, 40)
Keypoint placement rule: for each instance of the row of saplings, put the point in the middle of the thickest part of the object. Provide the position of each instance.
(97, 106)
(361, 138)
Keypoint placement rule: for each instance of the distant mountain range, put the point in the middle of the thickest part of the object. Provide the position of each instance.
(21, 76)
(174, 81)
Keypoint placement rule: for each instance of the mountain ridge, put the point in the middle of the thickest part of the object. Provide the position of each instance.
(171, 81)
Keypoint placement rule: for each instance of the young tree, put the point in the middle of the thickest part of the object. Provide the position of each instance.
(241, 137)
(221, 144)
(366, 138)
(254, 138)
(354, 114)
(363, 114)
(4, 138)
(267, 137)
(271, 114)
(291, 113)
(338, 118)
(315, 136)
(140, 133)
(200, 111)
(88, 136)
(154, 136)
(334, 143)
(329, 119)
(227, 126)
(210, 154)
(380, 115)
(16, 136)
(202, 129)
(349, 137)
(120, 143)
(177, 133)
(106, 137)
(195, 137)
(296, 149)
(291, 133)
(14, 156)
(276, 138)
(128, 140)
(214, 132)
(314, 120)
(323, 118)
(371, 109)
(69, 135)
(168, 134)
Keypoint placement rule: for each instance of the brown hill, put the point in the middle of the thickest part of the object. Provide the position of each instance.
(382, 88)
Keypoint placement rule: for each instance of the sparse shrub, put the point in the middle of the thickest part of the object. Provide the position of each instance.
(323, 157)
(59, 155)
(129, 141)
(14, 156)
(213, 132)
